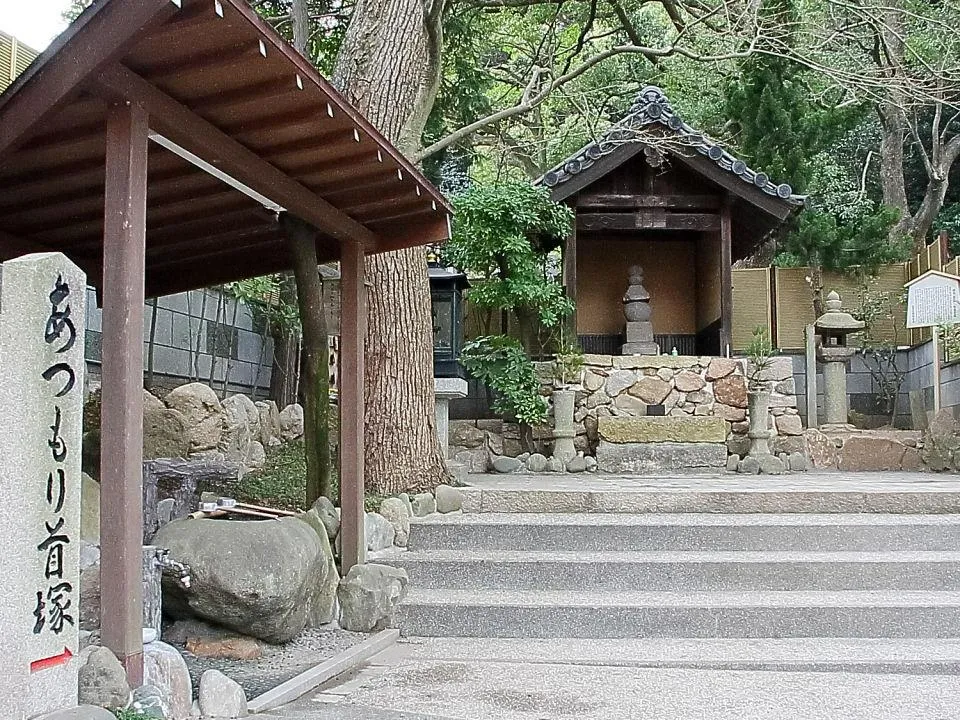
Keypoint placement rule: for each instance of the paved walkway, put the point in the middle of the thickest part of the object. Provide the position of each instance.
(470, 679)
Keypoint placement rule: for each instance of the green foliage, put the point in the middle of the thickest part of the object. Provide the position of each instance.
(835, 242)
(759, 351)
(131, 715)
(567, 364)
(501, 363)
(262, 295)
(502, 233)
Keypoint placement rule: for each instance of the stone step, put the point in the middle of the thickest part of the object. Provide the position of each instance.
(900, 493)
(678, 571)
(721, 532)
(605, 614)
(867, 655)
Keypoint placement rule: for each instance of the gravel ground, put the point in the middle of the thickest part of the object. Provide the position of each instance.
(279, 663)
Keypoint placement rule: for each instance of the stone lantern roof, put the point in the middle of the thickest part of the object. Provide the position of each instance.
(835, 322)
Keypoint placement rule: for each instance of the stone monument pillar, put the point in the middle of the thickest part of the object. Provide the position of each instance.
(833, 327)
(42, 312)
(636, 307)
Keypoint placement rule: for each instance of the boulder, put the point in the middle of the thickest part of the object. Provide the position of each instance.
(423, 504)
(789, 425)
(164, 433)
(591, 462)
(821, 450)
(577, 464)
(378, 531)
(256, 455)
(150, 702)
(465, 434)
(328, 515)
(321, 610)
(150, 401)
(504, 464)
(748, 466)
(631, 404)
(237, 404)
(256, 577)
(651, 390)
(593, 380)
(102, 681)
(269, 423)
(797, 462)
(202, 413)
(398, 515)
(476, 460)
(291, 422)
(861, 453)
(720, 368)
(771, 465)
(738, 445)
(618, 381)
(450, 499)
(555, 465)
(731, 390)
(221, 697)
(941, 441)
(369, 596)
(89, 509)
(84, 712)
(405, 499)
(728, 413)
(536, 463)
(733, 462)
(237, 433)
(687, 381)
(90, 597)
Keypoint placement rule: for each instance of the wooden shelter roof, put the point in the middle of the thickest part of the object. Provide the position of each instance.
(242, 127)
(652, 124)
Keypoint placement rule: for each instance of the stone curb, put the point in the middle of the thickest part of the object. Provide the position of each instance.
(317, 675)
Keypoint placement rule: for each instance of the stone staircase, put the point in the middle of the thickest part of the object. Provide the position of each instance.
(741, 584)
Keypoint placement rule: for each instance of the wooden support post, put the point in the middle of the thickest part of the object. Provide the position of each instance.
(353, 320)
(726, 280)
(570, 279)
(121, 503)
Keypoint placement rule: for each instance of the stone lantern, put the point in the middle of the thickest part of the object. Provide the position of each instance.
(833, 327)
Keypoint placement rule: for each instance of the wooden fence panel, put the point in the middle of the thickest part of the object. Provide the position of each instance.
(751, 304)
(794, 309)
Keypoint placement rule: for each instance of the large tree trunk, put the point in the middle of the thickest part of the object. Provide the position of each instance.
(893, 180)
(389, 69)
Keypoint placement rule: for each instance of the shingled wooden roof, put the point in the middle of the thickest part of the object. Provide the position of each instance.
(242, 127)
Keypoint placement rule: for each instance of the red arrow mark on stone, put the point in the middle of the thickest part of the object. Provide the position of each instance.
(51, 661)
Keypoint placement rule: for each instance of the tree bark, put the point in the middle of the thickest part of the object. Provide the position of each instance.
(389, 69)
(301, 239)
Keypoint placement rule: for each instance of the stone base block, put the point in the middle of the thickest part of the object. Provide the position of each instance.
(640, 332)
(641, 348)
(649, 458)
(639, 430)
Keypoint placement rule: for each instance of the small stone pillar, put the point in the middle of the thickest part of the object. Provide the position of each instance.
(445, 390)
(152, 596)
(563, 428)
(833, 327)
(636, 307)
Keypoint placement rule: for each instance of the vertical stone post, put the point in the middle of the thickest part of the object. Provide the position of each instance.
(42, 311)
(810, 366)
(445, 390)
(152, 595)
(563, 428)
(835, 405)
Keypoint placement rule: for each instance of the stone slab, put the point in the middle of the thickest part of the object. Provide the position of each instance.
(42, 311)
(450, 388)
(656, 457)
(641, 348)
(662, 430)
(640, 332)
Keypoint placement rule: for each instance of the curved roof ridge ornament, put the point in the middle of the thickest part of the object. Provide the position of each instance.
(652, 107)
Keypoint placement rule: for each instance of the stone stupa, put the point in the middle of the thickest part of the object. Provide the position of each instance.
(636, 307)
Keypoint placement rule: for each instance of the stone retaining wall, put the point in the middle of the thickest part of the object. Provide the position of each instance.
(624, 386)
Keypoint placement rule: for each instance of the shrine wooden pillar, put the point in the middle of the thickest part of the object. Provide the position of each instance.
(726, 279)
(121, 426)
(353, 320)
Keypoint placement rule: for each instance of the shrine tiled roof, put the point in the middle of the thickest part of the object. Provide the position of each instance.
(652, 112)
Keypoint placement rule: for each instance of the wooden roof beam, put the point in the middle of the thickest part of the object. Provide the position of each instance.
(25, 103)
(182, 126)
